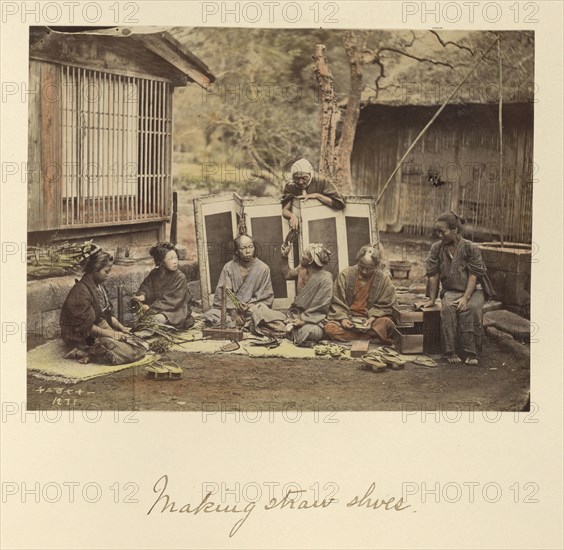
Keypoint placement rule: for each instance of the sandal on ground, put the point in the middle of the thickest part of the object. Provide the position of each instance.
(424, 361)
(336, 350)
(321, 349)
(375, 363)
(392, 358)
(389, 350)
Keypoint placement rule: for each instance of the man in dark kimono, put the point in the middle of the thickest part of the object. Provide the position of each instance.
(248, 278)
(363, 296)
(306, 185)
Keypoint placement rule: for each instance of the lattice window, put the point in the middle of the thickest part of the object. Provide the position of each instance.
(116, 148)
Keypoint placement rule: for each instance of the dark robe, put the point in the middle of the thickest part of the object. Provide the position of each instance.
(81, 311)
(317, 185)
(167, 292)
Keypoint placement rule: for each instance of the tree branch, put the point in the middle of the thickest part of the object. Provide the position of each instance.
(446, 43)
(422, 59)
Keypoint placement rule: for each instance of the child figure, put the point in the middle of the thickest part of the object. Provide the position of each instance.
(165, 290)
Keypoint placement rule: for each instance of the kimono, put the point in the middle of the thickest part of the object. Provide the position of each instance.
(166, 292)
(464, 327)
(310, 305)
(350, 300)
(85, 306)
(317, 185)
(255, 289)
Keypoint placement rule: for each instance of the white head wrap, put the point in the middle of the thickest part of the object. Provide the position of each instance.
(319, 254)
(302, 165)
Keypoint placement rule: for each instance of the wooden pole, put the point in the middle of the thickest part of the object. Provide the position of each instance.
(120, 311)
(223, 309)
(174, 219)
(435, 116)
(500, 117)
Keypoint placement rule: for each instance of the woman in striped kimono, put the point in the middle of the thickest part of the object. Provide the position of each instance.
(457, 265)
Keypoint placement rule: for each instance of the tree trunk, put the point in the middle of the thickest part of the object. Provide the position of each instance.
(328, 113)
(344, 149)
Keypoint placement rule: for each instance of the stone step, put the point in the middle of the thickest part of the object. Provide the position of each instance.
(511, 323)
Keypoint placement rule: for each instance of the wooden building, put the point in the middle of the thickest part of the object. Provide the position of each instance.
(100, 132)
(454, 166)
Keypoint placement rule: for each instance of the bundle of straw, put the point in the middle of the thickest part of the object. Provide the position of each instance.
(58, 259)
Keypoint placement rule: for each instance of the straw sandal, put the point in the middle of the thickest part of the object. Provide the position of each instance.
(424, 361)
(392, 358)
(373, 363)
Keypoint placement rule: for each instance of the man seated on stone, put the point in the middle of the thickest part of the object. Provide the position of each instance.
(363, 296)
(248, 278)
(302, 322)
(306, 185)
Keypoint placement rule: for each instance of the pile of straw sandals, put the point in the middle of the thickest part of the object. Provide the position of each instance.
(387, 357)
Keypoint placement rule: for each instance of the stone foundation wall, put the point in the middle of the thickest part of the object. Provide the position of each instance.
(509, 269)
(45, 297)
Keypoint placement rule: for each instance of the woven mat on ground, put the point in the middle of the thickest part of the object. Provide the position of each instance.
(47, 362)
(285, 349)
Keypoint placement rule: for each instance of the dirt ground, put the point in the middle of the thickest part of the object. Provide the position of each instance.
(223, 382)
(232, 382)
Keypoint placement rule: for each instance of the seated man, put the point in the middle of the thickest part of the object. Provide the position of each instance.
(303, 320)
(305, 185)
(363, 296)
(248, 278)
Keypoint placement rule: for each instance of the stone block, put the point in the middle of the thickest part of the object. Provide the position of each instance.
(506, 321)
(34, 324)
(48, 293)
(50, 323)
(498, 281)
(517, 289)
(516, 259)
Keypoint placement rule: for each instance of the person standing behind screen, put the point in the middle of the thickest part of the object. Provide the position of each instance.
(306, 185)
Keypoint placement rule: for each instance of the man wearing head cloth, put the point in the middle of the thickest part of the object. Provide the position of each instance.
(363, 296)
(302, 322)
(305, 185)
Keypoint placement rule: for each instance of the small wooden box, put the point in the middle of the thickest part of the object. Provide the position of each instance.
(404, 314)
(359, 348)
(408, 339)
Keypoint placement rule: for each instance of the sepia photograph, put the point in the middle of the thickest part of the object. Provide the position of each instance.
(322, 219)
(282, 274)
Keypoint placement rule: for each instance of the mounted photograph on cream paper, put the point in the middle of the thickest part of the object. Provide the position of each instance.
(218, 202)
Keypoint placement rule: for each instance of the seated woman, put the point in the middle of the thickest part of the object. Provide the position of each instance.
(457, 264)
(87, 322)
(165, 290)
(303, 321)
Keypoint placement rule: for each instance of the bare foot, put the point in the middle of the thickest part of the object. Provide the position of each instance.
(84, 360)
(453, 359)
(471, 361)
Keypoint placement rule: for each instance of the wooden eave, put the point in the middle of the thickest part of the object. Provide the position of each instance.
(142, 55)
